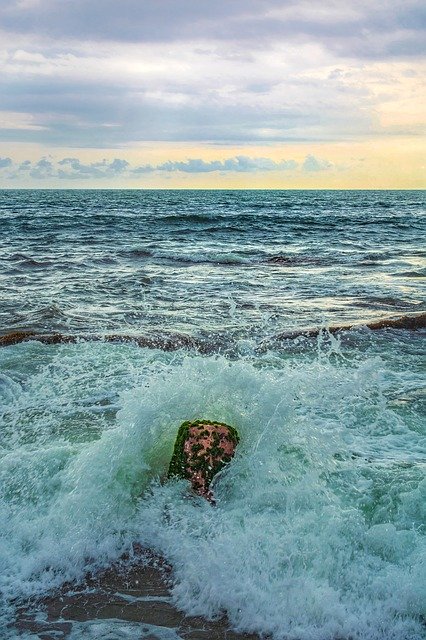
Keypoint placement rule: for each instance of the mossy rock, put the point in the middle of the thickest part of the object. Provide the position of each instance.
(201, 450)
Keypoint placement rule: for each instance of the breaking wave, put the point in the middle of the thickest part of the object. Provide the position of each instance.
(318, 530)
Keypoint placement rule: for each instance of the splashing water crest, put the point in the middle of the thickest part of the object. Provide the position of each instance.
(318, 530)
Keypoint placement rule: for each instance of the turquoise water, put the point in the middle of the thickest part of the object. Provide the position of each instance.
(319, 528)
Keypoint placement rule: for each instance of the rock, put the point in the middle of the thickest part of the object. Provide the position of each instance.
(202, 449)
(16, 337)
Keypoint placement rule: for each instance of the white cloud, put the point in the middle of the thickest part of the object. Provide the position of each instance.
(19, 121)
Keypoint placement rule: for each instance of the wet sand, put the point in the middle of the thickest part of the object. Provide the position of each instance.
(132, 594)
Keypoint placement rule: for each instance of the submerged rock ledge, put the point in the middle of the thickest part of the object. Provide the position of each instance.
(410, 322)
(164, 342)
(173, 342)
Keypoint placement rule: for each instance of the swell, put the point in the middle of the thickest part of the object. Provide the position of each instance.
(230, 257)
(176, 341)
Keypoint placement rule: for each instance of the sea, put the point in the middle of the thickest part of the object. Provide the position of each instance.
(253, 308)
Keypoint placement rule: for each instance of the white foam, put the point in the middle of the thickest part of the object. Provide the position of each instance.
(111, 629)
(311, 537)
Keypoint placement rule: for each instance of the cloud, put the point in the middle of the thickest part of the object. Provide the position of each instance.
(74, 169)
(66, 168)
(369, 29)
(187, 103)
(312, 163)
(238, 164)
(42, 169)
(103, 74)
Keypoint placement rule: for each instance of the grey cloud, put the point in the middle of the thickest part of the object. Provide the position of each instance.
(5, 162)
(74, 169)
(348, 28)
(42, 169)
(66, 168)
(239, 164)
(132, 20)
(70, 108)
(105, 114)
(312, 164)
(145, 168)
(192, 166)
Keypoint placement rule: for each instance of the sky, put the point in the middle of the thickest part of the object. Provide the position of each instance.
(273, 94)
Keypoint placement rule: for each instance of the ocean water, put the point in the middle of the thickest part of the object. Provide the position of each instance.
(319, 528)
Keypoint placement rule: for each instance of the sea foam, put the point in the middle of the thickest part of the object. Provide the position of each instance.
(318, 531)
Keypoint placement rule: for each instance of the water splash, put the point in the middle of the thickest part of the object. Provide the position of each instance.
(319, 526)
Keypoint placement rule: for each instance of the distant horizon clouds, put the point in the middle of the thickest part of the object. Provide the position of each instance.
(104, 76)
(73, 168)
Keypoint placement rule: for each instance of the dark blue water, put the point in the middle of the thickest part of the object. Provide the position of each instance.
(208, 261)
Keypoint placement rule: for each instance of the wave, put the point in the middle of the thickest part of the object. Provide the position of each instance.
(24, 262)
(294, 260)
(188, 218)
(372, 302)
(136, 253)
(249, 258)
(204, 257)
(307, 539)
(411, 274)
(221, 257)
(181, 257)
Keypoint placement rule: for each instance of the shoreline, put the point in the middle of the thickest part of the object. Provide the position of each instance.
(136, 594)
